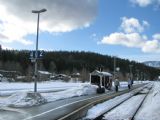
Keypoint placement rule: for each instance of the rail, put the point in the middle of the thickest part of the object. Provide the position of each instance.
(100, 117)
(81, 112)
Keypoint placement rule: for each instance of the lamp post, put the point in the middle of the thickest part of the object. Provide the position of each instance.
(114, 68)
(36, 53)
(137, 74)
(131, 75)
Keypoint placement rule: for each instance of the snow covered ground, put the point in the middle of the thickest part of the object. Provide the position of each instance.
(7, 88)
(150, 109)
(21, 94)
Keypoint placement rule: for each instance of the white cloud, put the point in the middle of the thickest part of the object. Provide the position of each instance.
(17, 21)
(129, 40)
(6, 48)
(145, 3)
(130, 25)
(145, 23)
(132, 40)
(3, 37)
(132, 37)
(151, 46)
(156, 36)
(142, 3)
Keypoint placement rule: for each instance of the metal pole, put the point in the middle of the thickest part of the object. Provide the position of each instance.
(137, 74)
(114, 67)
(131, 76)
(36, 53)
(36, 56)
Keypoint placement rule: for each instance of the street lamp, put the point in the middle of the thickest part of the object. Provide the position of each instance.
(131, 75)
(114, 67)
(36, 53)
(137, 71)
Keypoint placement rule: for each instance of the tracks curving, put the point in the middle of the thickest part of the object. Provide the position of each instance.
(112, 113)
(81, 111)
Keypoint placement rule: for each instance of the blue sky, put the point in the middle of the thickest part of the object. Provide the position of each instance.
(124, 28)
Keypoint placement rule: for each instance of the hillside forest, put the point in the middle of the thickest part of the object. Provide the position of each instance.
(73, 62)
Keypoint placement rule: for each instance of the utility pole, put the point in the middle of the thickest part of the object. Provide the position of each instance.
(114, 73)
(137, 74)
(36, 53)
(141, 76)
(131, 75)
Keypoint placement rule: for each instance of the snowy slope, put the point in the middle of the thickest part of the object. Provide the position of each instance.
(155, 64)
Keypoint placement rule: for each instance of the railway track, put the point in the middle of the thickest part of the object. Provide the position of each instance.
(81, 112)
(109, 114)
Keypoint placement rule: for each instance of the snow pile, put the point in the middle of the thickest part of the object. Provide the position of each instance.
(24, 99)
(83, 89)
(151, 108)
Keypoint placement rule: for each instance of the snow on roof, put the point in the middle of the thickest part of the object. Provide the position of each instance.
(96, 72)
(76, 74)
(44, 72)
(52, 76)
(20, 77)
(8, 71)
(1, 75)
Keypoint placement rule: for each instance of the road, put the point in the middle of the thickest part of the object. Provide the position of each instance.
(50, 111)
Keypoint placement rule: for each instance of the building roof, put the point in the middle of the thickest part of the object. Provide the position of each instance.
(1, 75)
(44, 72)
(96, 72)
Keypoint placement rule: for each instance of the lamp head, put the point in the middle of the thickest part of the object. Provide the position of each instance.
(39, 11)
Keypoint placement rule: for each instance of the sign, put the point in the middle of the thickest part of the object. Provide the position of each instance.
(33, 54)
(33, 60)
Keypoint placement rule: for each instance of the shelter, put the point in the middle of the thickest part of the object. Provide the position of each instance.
(101, 79)
(44, 75)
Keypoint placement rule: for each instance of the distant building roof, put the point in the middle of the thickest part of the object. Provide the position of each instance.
(1, 75)
(96, 72)
(44, 72)
(75, 74)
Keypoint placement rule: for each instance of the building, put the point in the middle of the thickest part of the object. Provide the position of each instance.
(9, 74)
(101, 79)
(44, 75)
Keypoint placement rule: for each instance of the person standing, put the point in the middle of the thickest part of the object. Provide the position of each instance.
(129, 83)
(116, 84)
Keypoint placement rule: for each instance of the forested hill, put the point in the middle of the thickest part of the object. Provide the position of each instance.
(69, 62)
